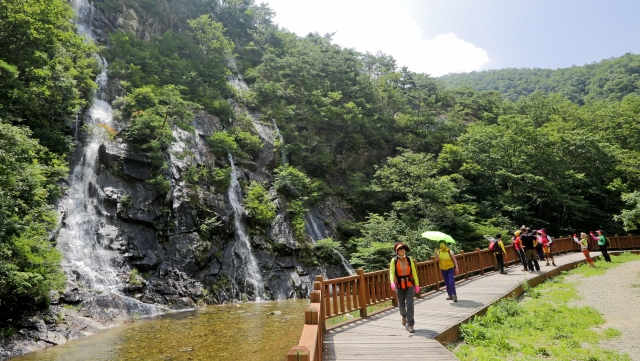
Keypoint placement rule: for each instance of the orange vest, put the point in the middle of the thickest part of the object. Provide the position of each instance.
(403, 273)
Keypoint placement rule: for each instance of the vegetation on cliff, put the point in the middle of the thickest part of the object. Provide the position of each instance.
(404, 152)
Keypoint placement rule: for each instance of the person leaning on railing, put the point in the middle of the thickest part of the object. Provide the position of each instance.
(403, 276)
(584, 246)
(602, 244)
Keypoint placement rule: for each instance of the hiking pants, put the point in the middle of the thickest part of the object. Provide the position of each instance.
(586, 252)
(500, 258)
(521, 257)
(532, 259)
(450, 280)
(605, 254)
(405, 303)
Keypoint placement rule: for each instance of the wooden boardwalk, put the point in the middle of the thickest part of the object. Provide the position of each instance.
(382, 336)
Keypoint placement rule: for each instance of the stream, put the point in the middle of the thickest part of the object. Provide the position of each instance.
(248, 331)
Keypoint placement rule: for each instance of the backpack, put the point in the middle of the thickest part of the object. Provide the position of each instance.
(550, 240)
(606, 242)
(494, 246)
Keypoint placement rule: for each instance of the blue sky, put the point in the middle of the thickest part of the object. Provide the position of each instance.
(441, 36)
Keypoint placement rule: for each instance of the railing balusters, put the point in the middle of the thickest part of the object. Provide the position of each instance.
(366, 289)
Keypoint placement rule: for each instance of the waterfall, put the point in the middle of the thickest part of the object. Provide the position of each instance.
(347, 266)
(285, 160)
(243, 246)
(88, 259)
(314, 224)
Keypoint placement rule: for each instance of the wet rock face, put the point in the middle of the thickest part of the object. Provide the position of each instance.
(179, 248)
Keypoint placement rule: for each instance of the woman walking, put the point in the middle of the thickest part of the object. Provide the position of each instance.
(449, 268)
(404, 280)
(584, 246)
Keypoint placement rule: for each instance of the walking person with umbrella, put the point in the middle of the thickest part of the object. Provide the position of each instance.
(446, 261)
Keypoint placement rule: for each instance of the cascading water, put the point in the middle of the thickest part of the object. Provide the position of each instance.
(284, 160)
(347, 266)
(243, 246)
(88, 261)
(314, 227)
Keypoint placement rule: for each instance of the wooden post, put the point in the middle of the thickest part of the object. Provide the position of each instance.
(363, 293)
(311, 316)
(298, 353)
(480, 263)
(466, 268)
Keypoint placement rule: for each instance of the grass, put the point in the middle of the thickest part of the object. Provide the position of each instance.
(351, 315)
(543, 325)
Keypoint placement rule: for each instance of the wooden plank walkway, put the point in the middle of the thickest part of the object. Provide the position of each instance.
(382, 336)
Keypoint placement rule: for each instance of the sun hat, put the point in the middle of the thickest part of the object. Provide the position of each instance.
(399, 245)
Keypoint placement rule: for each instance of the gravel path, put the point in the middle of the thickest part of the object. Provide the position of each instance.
(618, 300)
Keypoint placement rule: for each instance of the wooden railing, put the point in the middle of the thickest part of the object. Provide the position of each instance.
(335, 297)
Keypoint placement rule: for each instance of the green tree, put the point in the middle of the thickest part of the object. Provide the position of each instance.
(46, 73)
(29, 263)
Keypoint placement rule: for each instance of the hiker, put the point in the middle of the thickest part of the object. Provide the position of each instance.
(517, 244)
(529, 242)
(539, 248)
(404, 280)
(497, 247)
(584, 246)
(449, 268)
(547, 243)
(603, 244)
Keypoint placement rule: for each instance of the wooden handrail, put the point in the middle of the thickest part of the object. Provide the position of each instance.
(339, 296)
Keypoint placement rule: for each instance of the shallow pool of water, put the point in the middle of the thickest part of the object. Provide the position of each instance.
(262, 331)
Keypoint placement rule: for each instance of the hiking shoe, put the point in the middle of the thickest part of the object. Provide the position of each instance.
(554, 264)
(410, 329)
(455, 298)
(404, 321)
(548, 265)
(503, 272)
(449, 298)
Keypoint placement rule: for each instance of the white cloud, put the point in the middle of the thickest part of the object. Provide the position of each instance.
(380, 25)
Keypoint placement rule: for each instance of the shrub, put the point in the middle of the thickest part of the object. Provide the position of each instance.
(222, 143)
(259, 207)
(296, 211)
(164, 185)
(221, 177)
(248, 143)
(327, 249)
(294, 184)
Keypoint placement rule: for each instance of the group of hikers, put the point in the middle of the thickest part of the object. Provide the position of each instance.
(530, 246)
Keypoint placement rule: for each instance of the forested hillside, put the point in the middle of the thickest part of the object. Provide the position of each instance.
(609, 79)
(402, 152)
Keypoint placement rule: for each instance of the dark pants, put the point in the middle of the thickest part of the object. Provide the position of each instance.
(450, 280)
(520, 253)
(605, 254)
(500, 259)
(540, 252)
(405, 303)
(532, 260)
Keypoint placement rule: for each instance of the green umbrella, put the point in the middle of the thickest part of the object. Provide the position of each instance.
(438, 236)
